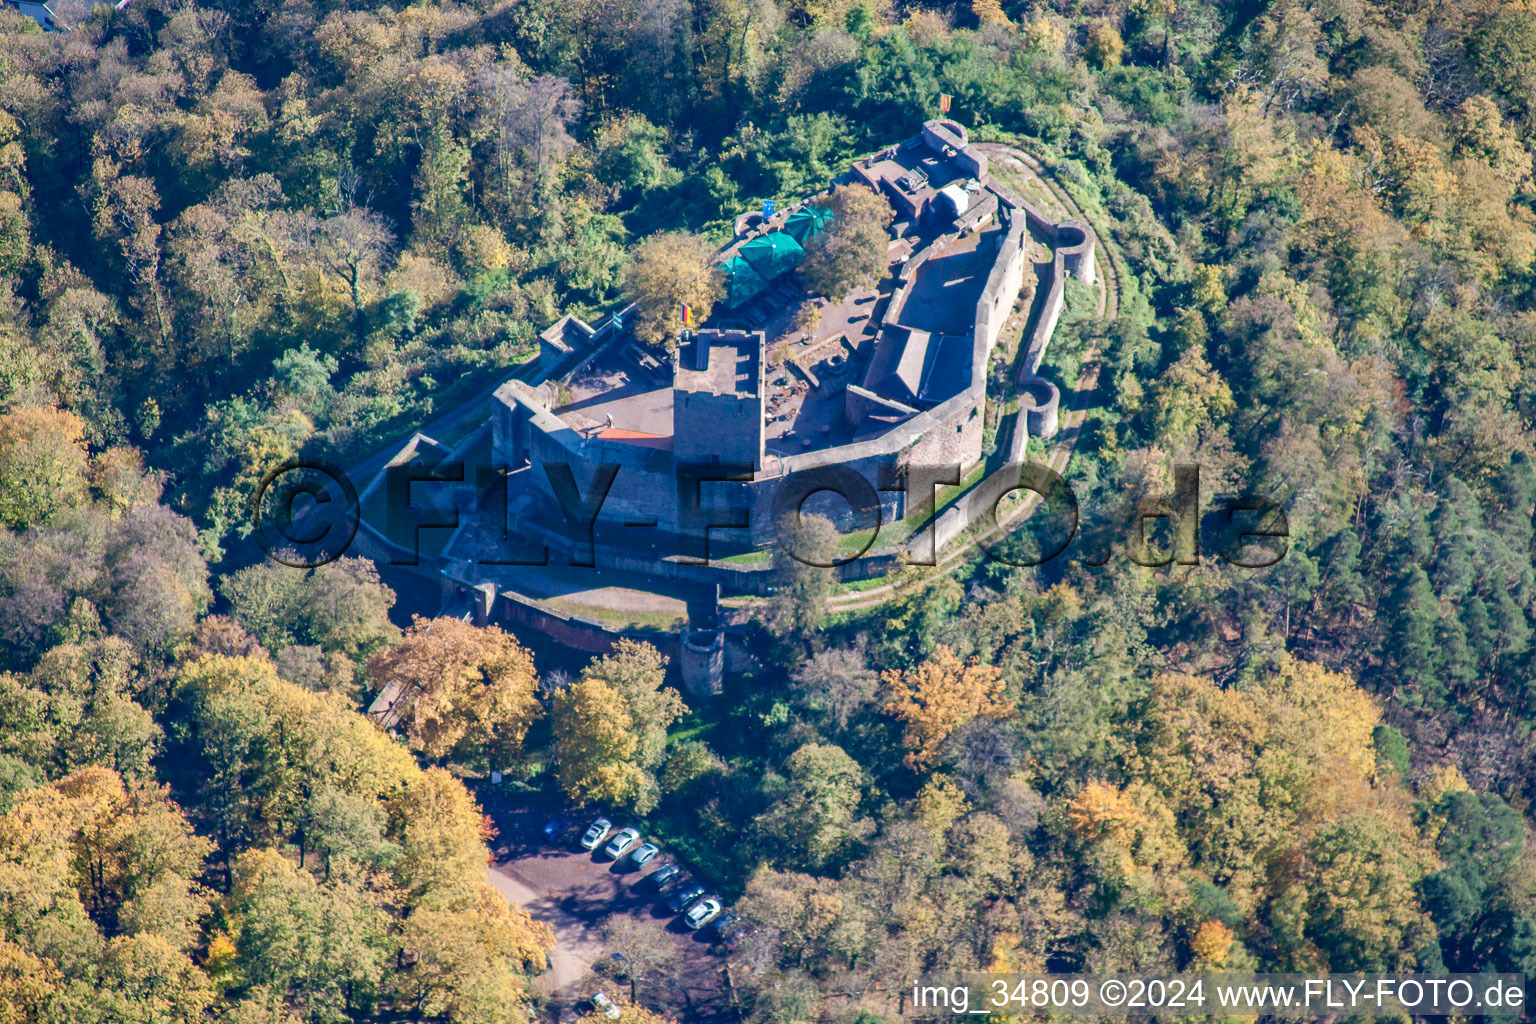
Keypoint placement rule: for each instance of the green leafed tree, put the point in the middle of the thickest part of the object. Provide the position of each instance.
(851, 252)
(815, 820)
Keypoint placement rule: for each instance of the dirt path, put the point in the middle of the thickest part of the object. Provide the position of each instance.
(576, 948)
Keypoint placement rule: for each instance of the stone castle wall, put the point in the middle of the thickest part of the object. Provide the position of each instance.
(646, 489)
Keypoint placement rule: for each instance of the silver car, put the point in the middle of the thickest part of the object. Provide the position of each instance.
(595, 833)
(622, 840)
(701, 913)
(643, 854)
(607, 1007)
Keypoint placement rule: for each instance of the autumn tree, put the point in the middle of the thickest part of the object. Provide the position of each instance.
(651, 958)
(126, 851)
(1129, 841)
(354, 245)
(77, 708)
(637, 671)
(462, 691)
(671, 270)
(470, 963)
(442, 834)
(1188, 399)
(851, 252)
(1103, 46)
(144, 978)
(1357, 894)
(43, 465)
(267, 747)
(596, 746)
(629, 1013)
(937, 696)
(120, 479)
(989, 12)
(27, 984)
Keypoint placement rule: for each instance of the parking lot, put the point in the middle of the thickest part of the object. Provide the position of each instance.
(576, 892)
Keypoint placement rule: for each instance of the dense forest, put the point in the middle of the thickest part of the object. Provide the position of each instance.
(231, 233)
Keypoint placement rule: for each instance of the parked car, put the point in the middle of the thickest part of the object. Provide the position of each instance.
(607, 1007)
(622, 840)
(595, 833)
(684, 896)
(724, 923)
(555, 827)
(643, 854)
(663, 876)
(701, 913)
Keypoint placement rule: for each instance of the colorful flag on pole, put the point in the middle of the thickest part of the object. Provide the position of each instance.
(687, 315)
(945, 99)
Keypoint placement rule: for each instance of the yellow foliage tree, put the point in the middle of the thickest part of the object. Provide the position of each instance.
(145, 978)
(940, 803)
(468, 962)
(1102, 812)
(1043, 34)
(637, 671)
(1187, 398)
(629, 1013)
(126, 852)
(1480, 133)
(1131, 834)
(989, 12)
(939, 696)
(1104, 46)
(463, 690)
(596, 745)
(442, 835)
(119, 476)
(255, 726)
(26, 985)
(43, 465)
(672, 269)
(1211, 944)
(1279, 773)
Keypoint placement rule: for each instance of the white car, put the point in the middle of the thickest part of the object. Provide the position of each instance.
(622, 840)
(701, 913)
(607, 1007)
(643, 854)
(595, 833)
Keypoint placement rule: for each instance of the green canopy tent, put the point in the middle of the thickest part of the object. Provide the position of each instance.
(741, 281)
(807, 222)
(771, 255)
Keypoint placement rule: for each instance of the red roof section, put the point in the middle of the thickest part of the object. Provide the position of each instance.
(635, 437)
